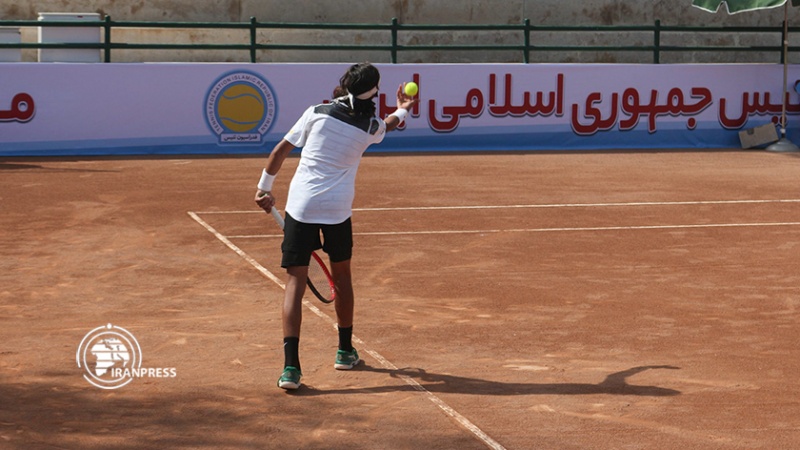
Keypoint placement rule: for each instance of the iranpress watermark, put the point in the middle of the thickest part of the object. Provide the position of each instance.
(110, 357)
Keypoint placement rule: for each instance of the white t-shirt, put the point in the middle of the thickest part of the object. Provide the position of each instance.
(332, 141)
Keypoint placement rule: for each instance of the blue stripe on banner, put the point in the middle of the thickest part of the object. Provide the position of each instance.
(474, 139)
(509, 140)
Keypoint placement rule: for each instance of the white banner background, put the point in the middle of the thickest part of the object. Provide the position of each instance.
(84, 109)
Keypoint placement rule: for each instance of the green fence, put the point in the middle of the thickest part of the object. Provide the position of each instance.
(397, 38)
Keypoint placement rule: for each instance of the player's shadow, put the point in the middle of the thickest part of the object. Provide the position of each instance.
(18, 166)
(614, 384)
(6, 165)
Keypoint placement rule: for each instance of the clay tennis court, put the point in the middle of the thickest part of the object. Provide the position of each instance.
(608, 300)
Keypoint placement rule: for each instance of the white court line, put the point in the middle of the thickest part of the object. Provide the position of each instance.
(551, 205)
(585, 205)
(463, 421)
(545, 230)
(238, 251)
(615, 228)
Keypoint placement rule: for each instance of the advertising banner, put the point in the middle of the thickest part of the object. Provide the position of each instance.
(123, 109)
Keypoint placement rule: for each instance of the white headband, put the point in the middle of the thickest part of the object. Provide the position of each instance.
(368, 95)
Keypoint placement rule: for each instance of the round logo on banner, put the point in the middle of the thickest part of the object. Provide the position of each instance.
(240, 108)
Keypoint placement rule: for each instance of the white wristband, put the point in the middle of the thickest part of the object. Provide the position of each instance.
(400, 113)
(265, 184)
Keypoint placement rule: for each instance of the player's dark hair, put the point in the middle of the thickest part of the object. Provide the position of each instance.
(358, 79)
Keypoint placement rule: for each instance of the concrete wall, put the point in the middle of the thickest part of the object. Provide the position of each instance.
(541, 12)
(550, 12)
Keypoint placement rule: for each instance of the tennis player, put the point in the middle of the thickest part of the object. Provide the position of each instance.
(333, 138)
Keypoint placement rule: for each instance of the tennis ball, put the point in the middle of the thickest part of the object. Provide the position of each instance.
(411, 89)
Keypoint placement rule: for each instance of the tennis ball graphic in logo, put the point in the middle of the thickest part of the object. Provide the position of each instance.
(241, 108)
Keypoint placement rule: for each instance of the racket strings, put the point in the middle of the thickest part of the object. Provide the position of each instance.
(319, 281)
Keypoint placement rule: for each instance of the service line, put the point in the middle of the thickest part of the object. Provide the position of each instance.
(548, 205)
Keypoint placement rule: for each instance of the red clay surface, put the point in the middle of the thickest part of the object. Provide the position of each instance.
(605, 301)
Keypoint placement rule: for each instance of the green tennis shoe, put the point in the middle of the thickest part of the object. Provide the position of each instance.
(346, 360)
(290, 379)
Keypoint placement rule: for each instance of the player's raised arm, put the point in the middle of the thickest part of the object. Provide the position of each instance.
(404, 103)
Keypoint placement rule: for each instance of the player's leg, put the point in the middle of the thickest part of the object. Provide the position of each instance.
(346, 355)
(345, 299)
(292, 318)
(338, 244)
(339, 247)
(296, 250)
(292, 313)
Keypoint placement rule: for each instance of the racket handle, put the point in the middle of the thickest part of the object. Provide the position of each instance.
(277, 216)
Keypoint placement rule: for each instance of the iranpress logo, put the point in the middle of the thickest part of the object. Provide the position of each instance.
(240, 108)
(117, 358)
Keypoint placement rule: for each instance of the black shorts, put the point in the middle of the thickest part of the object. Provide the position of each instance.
(300, 239)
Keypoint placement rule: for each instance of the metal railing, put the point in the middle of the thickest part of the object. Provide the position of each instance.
(395, 45)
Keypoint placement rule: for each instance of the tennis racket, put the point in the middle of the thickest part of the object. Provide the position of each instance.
(320, 280)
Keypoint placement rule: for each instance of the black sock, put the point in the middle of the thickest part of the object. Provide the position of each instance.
(345, 339)
(291, 353)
